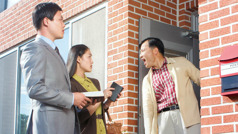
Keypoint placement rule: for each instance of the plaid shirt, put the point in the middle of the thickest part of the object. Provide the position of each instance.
(164, 87)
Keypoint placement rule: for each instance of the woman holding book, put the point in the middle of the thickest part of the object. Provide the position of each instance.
(91, 118)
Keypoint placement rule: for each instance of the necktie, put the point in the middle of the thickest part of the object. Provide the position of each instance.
(57, 50)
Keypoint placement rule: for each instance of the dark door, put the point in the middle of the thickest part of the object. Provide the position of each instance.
(177, 42)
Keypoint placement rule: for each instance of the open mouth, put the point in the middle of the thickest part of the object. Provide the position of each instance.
(143, 60)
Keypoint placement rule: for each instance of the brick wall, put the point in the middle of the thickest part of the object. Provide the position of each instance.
(16, 22)
(218, 29)
(16, 27)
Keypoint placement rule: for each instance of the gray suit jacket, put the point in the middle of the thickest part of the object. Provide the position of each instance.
(48, 85)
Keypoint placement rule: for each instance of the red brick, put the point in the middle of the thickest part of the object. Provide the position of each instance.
(205, 92)
(205, 130)
(160, 12)
(117, 5)
(118, 70)
(117, 109)
(216, 51)
(209, 44)
(223, 129)
(219, 32)
(130, 94)
(229, 39)
(229, 20)
(209, 62)
(215, 71)
(168, 15)
(165, 8)
(234, 9)
(165, 20)
(151, 3)
(130, 122)
(172, 5)
(160, 1)
(132, 15)
(153, 16)
(141, 12)
(222, 109)
(227, 2)
(185, 23)
(210, 82)
(144, 1)
(216, 90)
(184, 17)
(204, 54)
(148, 8)
(204, 73)
(209, 25)
(230, 118)
(219, 13)
(205, 111)
(236, 107)
(130, 108)
(125, 101)
(235, 28)
(211, 101)
(134, 3)
(208, 7)
(211, 120)
(237, 128)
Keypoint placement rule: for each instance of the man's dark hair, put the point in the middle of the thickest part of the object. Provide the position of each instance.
(42, 10)
(154, 42)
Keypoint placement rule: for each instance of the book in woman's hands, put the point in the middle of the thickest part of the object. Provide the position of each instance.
(98, 95)
(115, 92)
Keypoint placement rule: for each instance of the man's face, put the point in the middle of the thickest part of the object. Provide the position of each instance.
(56, 26)
(147, 55)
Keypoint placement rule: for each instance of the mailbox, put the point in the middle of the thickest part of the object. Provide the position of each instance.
(229, 70)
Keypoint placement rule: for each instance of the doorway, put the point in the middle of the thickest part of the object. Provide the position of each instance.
(177, 42)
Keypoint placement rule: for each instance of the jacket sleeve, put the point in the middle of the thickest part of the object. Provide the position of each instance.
(33, 63)
(193, 72)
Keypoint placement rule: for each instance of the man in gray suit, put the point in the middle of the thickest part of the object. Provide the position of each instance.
(46, 77)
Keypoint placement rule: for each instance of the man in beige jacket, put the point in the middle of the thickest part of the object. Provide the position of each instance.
(169, 102)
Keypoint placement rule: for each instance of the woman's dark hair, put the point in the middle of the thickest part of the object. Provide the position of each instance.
(42, 10)
(74, 52)
(154, 42)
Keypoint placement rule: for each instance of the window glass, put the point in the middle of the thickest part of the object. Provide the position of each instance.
(7, 93)
(11, 2)
(90, 31)
(25, 107)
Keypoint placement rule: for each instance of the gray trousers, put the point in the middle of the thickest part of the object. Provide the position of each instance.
(171, 122)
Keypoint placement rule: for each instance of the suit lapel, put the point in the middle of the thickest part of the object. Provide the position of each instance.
(58, 57)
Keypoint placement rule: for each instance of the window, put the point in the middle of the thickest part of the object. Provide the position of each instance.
(8, 65)
(90, 31)
(4, 4)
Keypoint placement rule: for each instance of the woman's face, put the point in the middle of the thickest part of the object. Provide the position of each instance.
(85, 62)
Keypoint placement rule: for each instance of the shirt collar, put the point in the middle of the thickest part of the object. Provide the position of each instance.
(81, 79)
(48, 41)
(164, 63)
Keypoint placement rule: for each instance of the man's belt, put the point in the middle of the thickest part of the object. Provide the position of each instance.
(173, 107)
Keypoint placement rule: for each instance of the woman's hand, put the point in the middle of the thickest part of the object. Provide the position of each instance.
(108, 92)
